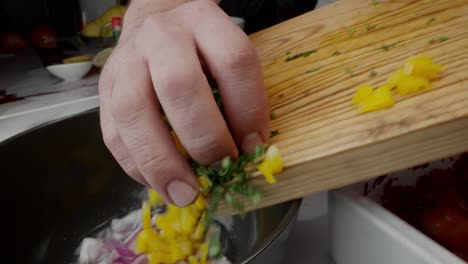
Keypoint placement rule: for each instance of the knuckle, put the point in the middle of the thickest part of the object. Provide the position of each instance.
(176, 84)
(240, 58)
(127, 112)
(207, 148)
(155, 163)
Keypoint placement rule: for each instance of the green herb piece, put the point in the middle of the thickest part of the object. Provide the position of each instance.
(439, 39)
(234, 203)
(430, 20)
(226, 162)
(375, 2)
(287, 53)
(259, 152)
(349, 71)
(336, 53)
(370, 27)
(274, 133)
(312, 70)
(351, 32)
(302, 54)
(214, 246)
(273, 115)
(373, 74)
(216, 196)
(390, 46)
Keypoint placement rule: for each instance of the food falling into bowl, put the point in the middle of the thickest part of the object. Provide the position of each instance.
(163, 233)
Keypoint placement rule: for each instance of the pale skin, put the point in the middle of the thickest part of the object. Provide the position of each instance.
(165, 49)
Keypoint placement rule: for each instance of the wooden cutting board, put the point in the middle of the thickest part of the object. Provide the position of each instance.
(325, 142)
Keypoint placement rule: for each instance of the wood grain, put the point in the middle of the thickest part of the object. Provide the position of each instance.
(326, 143)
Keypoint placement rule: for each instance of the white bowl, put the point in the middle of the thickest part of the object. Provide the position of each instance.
(70, 71)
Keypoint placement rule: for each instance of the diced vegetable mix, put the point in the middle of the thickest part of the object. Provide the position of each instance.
(415, 76)
(180, 234)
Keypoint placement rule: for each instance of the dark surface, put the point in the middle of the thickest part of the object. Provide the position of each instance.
(60, 183)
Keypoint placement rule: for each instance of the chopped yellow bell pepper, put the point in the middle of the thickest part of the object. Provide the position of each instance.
(380, 98)
(179, 145)
(205, 184)
(395, 78)
(272, 164)
(200, 229)
(204, 253)
(412, 84)
(422, 66)
(200, 203)
(146, 215)
(145, 240)
(192, 260)
(363, 91)
(154, 198)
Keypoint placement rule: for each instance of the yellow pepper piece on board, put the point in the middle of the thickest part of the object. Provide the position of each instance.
(380, 98)
(412, 84)
(146, 215)
(422, 66)
(395, 78)
(154, 198)
(362, 92)
(272, 163)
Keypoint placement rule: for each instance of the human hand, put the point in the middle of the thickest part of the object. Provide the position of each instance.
(160, 62)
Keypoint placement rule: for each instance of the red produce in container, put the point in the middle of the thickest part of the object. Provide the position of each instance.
(12, 43)
(43, 37)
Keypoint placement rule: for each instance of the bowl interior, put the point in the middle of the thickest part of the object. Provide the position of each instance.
(60, 184)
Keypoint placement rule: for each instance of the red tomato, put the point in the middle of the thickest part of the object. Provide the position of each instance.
(12, 43)
(44, 37)
(448, 225)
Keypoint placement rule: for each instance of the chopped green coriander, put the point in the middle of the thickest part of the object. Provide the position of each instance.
(349, 71)
(430, 20)
(273, 115)
(439, 39)
(301, 54)
(312, 70)
(287, 53)
(274, 133)
(375, 2)
(214, 246)
(390, 46)
(370, 27)
(337, 52)
(216, 196)
(351, 32)
(373, 74)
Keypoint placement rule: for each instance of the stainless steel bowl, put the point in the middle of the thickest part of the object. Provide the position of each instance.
(60, 184)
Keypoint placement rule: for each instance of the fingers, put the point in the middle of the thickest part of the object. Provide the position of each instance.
(185, 95)
(111, 138)
(232, 60)
(145, 135)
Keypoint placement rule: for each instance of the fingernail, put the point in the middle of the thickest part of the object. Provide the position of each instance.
(251, 141)
(181, 193)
